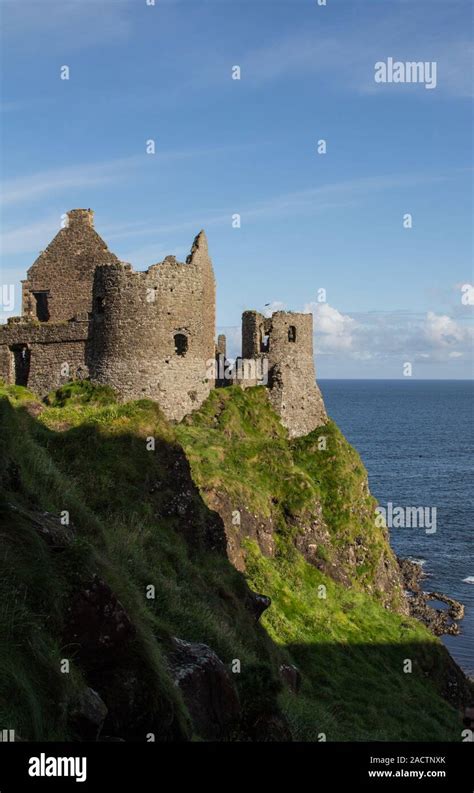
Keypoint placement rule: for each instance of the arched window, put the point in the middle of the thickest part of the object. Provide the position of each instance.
(180, 344)
(292, 333)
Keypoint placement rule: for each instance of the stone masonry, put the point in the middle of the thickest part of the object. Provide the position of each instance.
(148, 334)
(285, 342)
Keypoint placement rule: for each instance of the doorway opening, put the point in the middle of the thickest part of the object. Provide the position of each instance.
(21, 363)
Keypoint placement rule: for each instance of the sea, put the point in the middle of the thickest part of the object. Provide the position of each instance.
(415, 438)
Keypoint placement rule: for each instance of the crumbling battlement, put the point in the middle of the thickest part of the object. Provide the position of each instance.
(148, 334)
(285, 342)
(153, 332)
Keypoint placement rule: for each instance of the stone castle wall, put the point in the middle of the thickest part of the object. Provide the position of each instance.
(48, 355)
(149, 334)
(286, 341)
(62, 276)
(153, 332)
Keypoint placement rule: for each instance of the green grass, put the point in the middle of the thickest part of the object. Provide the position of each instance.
(236, 445)
(87, 453)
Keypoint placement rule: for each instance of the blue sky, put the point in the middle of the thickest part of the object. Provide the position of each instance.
(309, 221)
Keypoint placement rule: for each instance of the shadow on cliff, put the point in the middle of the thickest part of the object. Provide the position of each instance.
(384, 691)
(135, 560)
(142, 561)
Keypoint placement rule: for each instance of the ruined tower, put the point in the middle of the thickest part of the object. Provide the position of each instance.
(153, 332)
(285, 341)
(149, 334)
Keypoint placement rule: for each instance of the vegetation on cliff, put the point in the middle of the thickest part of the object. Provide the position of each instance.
(138, 493)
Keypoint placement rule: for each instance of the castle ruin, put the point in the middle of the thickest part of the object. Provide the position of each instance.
(86, 314)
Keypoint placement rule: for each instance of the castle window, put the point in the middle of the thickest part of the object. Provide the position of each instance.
(42, 308)
(264, 340)
(292, 333)
(180, 344)
(99, 305)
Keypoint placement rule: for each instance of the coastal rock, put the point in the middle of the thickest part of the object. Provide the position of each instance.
(439, 621)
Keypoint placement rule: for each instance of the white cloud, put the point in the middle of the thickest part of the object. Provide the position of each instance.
(67, 178)
(334, 331)
(441, 331)
(56, 25)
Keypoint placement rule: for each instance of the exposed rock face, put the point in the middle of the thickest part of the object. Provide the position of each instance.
(47, 526)
(207, 688)
(238, 523)
(257, 604)
(98, 628)
(131, 714)
(87, 715)
(439, 621)
(177, 496)
(100, 636)
(312, 538)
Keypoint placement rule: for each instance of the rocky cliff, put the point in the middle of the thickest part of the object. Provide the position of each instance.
(211, 579)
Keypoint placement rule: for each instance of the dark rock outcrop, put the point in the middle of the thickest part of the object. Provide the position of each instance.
(291, 675)
(271, 727)
(207, 689)
(239, 524)
(47, 526)
(97, 628)
(257, 604)
(439, 621)
(87, 714)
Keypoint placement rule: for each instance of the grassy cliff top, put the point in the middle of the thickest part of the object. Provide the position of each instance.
(140, 515)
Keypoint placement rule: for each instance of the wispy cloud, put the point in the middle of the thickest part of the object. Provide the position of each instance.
(346, 59)
(60, 180)
(60, 25)
(29, 237)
